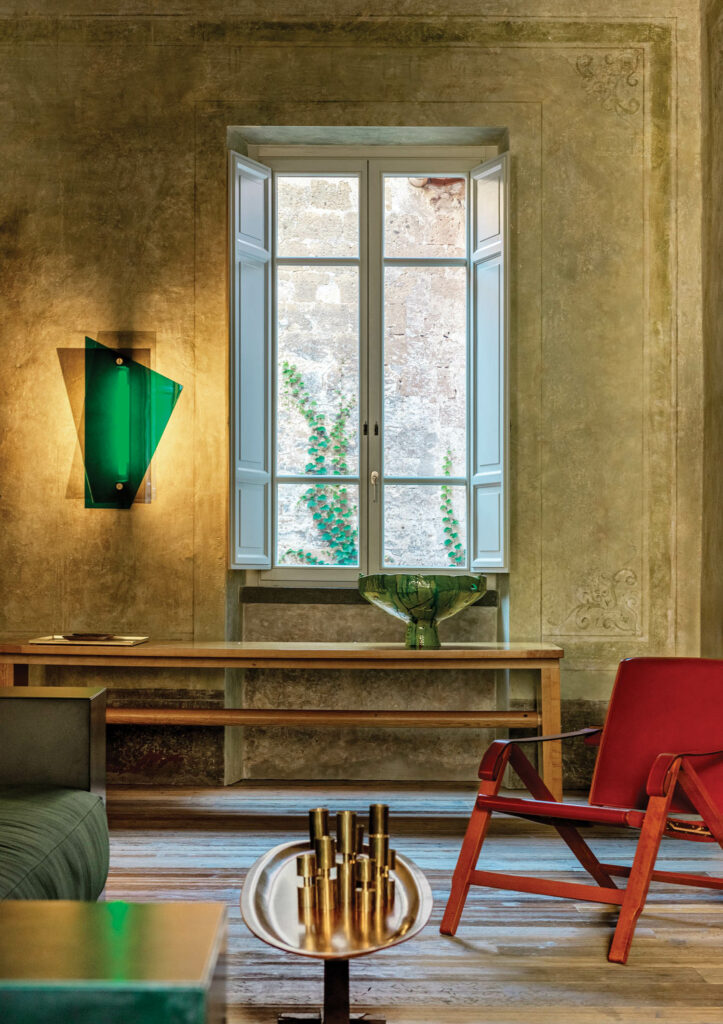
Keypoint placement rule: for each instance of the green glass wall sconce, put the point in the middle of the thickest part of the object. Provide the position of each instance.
(127, 408)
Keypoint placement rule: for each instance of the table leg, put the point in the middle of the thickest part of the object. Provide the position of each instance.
(550, 726)
(336, 999)
(336, 992)
(13, 675)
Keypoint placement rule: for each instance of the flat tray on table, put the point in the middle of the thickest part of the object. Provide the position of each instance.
(269, 906)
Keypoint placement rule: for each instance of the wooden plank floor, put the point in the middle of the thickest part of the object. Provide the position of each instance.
(516, 958)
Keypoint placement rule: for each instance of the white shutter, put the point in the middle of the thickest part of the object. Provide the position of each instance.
(250, 325)
(489, 516)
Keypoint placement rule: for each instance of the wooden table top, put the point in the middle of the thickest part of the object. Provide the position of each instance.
(245, 651)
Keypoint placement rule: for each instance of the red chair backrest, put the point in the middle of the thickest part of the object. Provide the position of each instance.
(659, 706)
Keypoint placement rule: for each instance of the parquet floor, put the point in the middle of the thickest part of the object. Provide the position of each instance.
(516, 959)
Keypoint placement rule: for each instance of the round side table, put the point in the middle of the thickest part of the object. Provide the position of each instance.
(270, 908)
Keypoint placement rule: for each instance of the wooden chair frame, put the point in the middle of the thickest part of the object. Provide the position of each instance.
(668, 771)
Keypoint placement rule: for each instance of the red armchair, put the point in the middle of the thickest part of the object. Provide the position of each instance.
(660, 753)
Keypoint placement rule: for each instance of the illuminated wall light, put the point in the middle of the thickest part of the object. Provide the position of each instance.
(127, 408)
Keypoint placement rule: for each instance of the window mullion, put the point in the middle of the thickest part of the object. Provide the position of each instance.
(431, 480)
(375, 350)
(364, 331)
(319, 478)
(425, 261)
(316, 261)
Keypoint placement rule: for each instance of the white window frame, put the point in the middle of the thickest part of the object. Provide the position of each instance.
(486, 478)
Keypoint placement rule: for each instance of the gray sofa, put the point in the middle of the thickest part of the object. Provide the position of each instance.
(53, 826)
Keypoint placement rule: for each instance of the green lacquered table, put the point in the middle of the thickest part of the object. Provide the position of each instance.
(111, 963)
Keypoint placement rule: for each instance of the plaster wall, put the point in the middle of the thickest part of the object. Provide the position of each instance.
(711, 583)
(113, 218)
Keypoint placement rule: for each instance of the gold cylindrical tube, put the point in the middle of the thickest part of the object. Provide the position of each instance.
(307, 917)
(307, 897)
(306, 870)
(378, 819)
(379, 851)
(325, 893)
(391, 885)
(318, 823)
(365, 890)
(364, 871)
(346, 883)
(344, 920)
(360, 838)
(324, 927)
(365, 902)
(306, 865)
(325, 884)
(380, 894)
(392, 860)
(325, 853)
(346, 832)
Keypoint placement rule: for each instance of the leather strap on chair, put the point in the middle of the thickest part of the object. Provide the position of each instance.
(497, 754)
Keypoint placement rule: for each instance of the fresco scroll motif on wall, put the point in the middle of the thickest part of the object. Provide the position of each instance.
(613, 79)
(608, 604)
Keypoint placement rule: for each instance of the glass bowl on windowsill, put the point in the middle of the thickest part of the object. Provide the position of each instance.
(421, 600)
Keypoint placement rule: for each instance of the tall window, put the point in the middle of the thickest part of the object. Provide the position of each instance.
(368, 372)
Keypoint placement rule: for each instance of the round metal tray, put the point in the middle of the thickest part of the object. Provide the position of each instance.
(269, 906)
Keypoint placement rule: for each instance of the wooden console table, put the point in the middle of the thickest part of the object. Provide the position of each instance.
(16, 656)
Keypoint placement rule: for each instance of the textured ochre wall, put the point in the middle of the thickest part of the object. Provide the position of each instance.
(712, 579)
(113, 218)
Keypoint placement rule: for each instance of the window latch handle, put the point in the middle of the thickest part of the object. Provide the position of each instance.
(374, 480)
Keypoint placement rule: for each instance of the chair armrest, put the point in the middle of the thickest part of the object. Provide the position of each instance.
(498, 753)
(659, 777)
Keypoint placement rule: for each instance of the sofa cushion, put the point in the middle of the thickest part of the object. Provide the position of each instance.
(53, 844)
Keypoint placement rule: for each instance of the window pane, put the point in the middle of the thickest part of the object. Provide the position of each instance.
(317, 216)
(425, 526)
(318, 370)
(425, 371)
(425, 217)
(318, 524)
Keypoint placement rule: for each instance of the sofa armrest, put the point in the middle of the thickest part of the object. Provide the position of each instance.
(53, 736)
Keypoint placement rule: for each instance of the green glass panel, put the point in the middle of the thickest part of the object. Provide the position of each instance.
(127, 407)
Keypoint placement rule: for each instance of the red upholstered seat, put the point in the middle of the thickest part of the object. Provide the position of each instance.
(661, 751)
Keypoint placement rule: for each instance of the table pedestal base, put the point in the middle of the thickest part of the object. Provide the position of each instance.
(336, 1000)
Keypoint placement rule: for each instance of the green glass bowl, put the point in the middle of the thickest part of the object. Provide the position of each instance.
(421, 601)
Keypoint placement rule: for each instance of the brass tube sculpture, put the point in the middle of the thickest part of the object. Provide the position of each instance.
(340, 877)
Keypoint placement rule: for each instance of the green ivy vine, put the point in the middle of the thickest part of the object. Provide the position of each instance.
(455, 551)
(331, 510)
